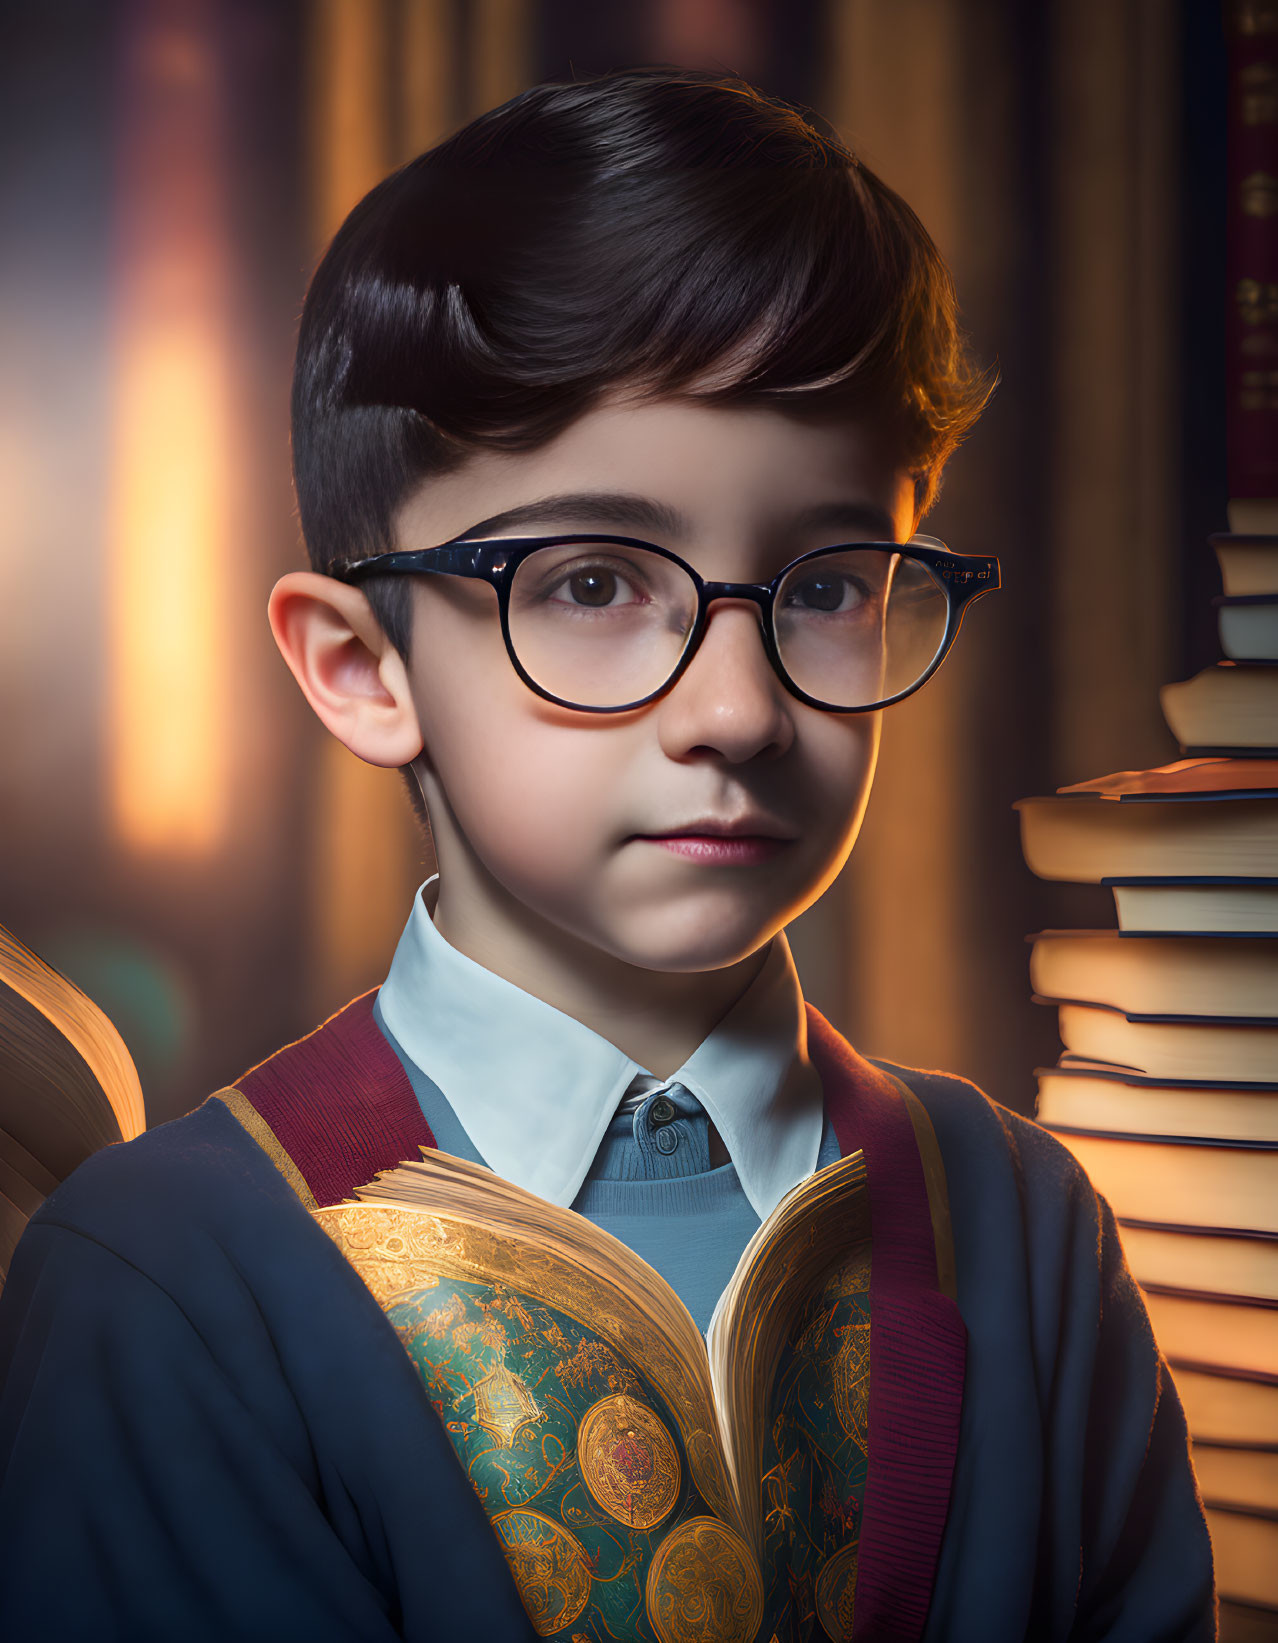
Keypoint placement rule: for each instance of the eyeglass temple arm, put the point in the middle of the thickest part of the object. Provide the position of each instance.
(478, 559)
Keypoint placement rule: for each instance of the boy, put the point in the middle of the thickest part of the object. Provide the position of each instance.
(614, 418)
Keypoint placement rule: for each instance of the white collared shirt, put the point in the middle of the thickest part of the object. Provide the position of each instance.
(535, 1090)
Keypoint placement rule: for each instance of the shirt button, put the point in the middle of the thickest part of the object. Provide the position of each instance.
(666, 1140)
(662, 1110)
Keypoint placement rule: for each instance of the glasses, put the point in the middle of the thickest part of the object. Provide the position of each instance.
(606, 624)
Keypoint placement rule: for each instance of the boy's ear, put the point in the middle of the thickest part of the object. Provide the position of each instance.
(347, 668)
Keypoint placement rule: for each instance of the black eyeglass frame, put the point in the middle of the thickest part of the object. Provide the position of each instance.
(964, 577)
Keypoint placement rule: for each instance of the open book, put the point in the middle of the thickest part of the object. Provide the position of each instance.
(67, 1085)
(636, 1478)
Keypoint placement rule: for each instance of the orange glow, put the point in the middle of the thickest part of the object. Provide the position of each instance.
(501, 49)
(171, 463)
(168, 537)
(350, 107)
(428, 57)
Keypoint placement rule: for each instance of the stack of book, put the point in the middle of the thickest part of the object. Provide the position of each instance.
(1232, 707)
(1167, 1087)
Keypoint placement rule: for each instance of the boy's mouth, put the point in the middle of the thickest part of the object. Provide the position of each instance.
(745, 841)
(754, 825)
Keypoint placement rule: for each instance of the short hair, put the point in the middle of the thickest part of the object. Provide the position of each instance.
(664, 230)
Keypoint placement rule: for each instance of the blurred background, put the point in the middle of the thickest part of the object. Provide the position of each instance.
(179, 835)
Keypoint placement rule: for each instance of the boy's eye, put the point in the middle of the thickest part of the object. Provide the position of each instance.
(826, 592)
(593, 586)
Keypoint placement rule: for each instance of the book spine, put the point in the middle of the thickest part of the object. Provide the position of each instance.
(1252, 247)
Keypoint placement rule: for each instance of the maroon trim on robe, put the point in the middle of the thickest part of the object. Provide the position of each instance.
(340, 1103)
(918, 1349)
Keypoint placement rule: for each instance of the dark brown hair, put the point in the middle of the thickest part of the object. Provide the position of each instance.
(669, 231)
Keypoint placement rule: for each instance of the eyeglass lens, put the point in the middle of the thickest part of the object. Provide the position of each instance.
(600, 625)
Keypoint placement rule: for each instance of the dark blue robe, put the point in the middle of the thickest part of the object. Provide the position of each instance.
(209, 1430)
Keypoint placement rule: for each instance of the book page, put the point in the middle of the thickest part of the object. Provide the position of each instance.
(112, 1078)
(448, 1216)
(817, 1233)
(469, 1222)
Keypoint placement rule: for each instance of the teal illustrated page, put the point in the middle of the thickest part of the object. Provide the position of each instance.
(815, 1462)
(582, 1469)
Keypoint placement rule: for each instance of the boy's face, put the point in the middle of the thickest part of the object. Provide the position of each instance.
(564, 821)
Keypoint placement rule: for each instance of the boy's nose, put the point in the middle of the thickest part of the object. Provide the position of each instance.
(730, 701)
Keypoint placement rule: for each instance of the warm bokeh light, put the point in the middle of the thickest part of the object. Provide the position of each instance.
(171, 464)
(350, 106)
(428, 56)
(168, 531)
(500, 66)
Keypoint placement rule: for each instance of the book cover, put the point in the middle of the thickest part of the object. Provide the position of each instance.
(1200, 777)
(1080, 1066)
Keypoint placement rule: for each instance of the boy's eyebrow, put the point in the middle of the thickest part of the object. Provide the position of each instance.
(645, 513)
(590, 508)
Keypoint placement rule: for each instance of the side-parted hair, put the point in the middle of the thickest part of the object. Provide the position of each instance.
(669, 232)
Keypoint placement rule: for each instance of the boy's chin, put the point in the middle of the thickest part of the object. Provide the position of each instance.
(704, 944)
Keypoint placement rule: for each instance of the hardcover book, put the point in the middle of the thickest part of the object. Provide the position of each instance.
(1168, 1181)
(1208, 1259)
(1238, 1475)
(1229, 1048)
(643, 1481)
(1178, 975)
(1248, 626)
(1239, 1337)
(1195, 906)
(1197, 818)
(67, 1085)
(1228, 705)
(1086, 838)
(1248, 563)
(1090, 1095)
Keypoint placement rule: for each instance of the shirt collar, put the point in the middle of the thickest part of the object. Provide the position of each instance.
(535, 1089)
